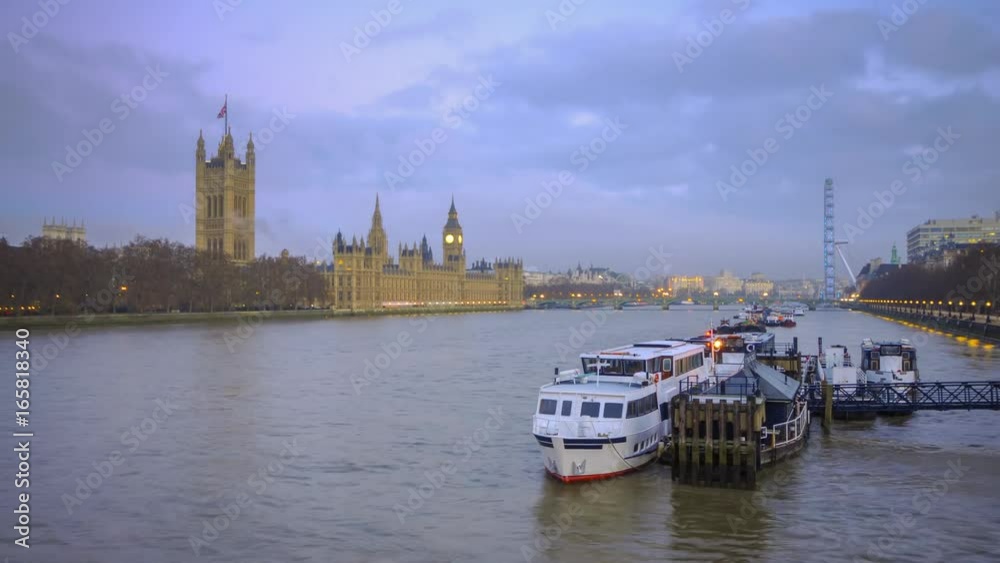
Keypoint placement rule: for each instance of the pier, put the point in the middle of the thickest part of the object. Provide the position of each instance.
(903, 399)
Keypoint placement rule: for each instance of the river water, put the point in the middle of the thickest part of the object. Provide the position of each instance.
(409, 439)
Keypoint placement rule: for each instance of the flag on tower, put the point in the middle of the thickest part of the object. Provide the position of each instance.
(222, 112)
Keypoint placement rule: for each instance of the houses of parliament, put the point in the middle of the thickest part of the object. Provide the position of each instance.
(363, 275)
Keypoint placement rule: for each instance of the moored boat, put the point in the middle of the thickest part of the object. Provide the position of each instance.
(610, 416)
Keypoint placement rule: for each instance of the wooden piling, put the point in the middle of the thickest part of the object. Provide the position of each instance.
(716, 442)
(827, 405)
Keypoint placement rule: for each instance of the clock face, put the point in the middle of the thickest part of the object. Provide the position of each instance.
(449, 238)
(459, 239)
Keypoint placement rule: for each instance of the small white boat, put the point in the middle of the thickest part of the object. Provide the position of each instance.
(891, 362)
(799, 312)
(610, 417)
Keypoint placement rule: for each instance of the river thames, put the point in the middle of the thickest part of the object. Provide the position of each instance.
(398, 439)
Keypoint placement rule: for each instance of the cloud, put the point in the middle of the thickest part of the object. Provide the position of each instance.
(353, 121)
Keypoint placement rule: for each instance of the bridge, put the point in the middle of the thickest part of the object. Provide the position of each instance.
(907, 398)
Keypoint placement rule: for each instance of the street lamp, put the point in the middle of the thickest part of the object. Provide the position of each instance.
(989, 305)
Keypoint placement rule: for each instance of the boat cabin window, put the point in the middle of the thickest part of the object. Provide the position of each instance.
(567, 408)
(733, 345)
(689, 363)
(892, 350)
(613, 366)
(666, 366)
(612, 410)
(643, 406)
(547, 406)
(909, 360)
(590, 409)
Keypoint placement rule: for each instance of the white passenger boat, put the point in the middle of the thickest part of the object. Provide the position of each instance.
(609, 417)
(799, 312)
(893, 362)
(890, 362)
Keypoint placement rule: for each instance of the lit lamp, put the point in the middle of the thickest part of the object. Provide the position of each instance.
(989, 305)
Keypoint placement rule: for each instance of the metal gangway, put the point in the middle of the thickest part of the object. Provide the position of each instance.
(908, 397)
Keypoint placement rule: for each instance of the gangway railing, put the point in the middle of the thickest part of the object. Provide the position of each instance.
(909, 397)
(786, 432)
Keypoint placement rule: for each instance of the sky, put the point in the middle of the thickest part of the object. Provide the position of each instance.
(571, 131)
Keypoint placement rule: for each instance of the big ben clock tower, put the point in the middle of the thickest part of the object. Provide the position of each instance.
(454, 255)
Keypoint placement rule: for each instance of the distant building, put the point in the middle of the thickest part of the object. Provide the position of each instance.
(877, 268)
(725, 283)
(365, 276)
(686, 284)
(62, 231)
(797, 289)
(929, 241)
(538, 278)
(226, 202)
(590, 276)
(758, 284)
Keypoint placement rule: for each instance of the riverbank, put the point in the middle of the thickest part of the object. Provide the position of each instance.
(967, 326)
(139, 319)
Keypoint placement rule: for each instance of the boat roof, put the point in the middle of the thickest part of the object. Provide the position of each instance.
(646, 350)
(607, 387)
(868, 342)
(774, 385)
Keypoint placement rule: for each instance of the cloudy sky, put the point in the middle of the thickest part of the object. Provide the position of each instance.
(636, 115)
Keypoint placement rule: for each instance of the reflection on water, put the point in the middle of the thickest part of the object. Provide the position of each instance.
(870, 490)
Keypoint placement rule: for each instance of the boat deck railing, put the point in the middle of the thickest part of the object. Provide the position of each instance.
(716, 385)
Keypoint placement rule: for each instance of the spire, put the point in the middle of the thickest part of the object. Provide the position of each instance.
(377, 215)
(250, 142)
(452, 216)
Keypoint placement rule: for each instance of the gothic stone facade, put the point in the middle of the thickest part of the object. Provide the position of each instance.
(366, 277)
(224, 199)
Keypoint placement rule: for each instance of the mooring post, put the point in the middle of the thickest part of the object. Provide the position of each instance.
(827, 405)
